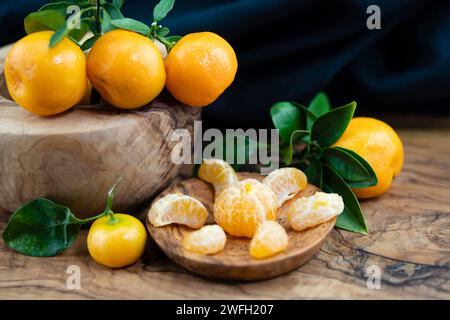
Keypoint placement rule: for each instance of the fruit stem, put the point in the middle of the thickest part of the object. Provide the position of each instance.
(97, 17)
(169, 45)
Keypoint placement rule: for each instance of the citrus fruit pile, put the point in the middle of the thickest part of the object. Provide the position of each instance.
(246, 208)
(125, 67)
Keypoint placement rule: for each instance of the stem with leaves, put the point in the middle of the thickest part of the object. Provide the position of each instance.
(42, 228)
(96, 17)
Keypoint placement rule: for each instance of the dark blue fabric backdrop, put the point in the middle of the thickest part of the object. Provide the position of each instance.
(289, 49)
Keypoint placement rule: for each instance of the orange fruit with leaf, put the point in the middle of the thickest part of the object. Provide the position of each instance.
(45, 81)
(380, 146)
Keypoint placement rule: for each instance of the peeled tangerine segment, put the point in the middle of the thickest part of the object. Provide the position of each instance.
(217, 172)
(286, 183)
(207, 240)
(178, 208)
(241, 208)
(271, 238)
(308, 212)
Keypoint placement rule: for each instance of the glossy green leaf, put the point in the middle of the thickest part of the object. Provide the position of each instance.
(162, 9)
(78, 34)
(113, 11)
(61, 6)
(329, 127)
(348, 167)
(41, 228)
(319, 106)
(57, 37)
(131, 25)
(90, 42)
(314, 173)
(372, 181)
(44, 20)
(362, 184)
(118, 3)
(287, 118)
(163, 32)
(352, 218)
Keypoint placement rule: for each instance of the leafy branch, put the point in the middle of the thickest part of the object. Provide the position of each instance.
(84, 21)
(307, 138)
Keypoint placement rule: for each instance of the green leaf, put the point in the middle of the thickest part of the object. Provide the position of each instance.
(131, 25)
(348, 167)
(319, 106)
(113, 11)
(57, 37)
(361, 184)
(163, 32)
(90, 42)
(61, 6)
(352, 218)
(286, 118)
(106, 25)
(44, 20)
(118, 3)
(314, 173)
(78, 34)
(41, 228)
(173, 39)
(296, 137)
(329, 127)
(162, 9)
(309, 115)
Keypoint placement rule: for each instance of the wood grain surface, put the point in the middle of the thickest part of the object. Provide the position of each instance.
(74, 158)
(234, 261)
(409, 241)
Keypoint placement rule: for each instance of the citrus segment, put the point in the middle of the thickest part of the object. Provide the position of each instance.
(207, 240)
(270, 238)
(243, 206)
(286, 183)
(217, 172)
(180, 209)
(308, 212)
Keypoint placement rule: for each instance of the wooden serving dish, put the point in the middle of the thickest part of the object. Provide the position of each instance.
(234, 262)
(75, 157)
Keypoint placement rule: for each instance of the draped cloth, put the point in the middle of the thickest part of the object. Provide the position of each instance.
(290, 49)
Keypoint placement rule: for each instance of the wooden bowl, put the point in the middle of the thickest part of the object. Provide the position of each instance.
(234, 262)
(75, 157)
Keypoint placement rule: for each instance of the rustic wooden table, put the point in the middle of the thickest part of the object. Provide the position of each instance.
(409, 241)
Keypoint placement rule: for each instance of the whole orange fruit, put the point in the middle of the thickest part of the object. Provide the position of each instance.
(199, 68)
(116, 242)
(45, 81)
(378, 144)
(126, 68)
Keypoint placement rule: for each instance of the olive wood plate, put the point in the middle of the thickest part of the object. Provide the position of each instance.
(234, 262)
